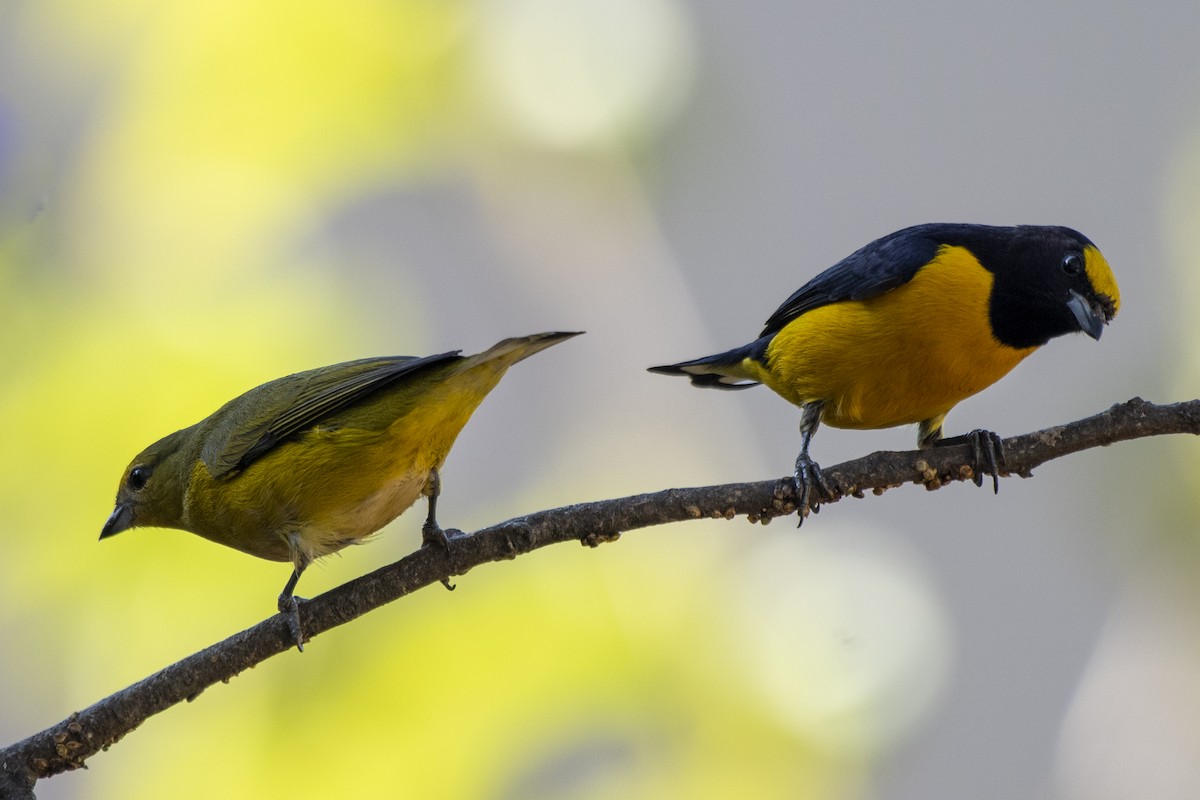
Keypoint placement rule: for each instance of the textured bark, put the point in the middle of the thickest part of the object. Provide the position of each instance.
(68, 744)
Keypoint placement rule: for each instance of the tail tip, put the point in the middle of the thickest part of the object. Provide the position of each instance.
(702, 377)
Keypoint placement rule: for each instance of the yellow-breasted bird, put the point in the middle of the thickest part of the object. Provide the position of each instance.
(304, 465)
(915, 322)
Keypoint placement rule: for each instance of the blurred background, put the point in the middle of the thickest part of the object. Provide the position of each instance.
(199, 197)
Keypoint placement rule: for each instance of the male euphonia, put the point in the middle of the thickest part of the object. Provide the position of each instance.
(302, 466)
(915, 322)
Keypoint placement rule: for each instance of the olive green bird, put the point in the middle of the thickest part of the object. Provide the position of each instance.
(305, 465)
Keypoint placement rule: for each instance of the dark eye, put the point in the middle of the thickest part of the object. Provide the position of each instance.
(138, 477)
(1072, 264)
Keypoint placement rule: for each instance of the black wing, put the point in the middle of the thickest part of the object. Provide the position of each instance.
(310, 397)
(872, 270)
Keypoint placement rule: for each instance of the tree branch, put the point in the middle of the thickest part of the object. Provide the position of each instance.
(68, 744)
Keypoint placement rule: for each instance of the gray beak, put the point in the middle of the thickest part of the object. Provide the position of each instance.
(1090, 318)
(120, 520)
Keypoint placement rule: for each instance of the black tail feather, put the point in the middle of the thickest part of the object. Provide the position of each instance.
(720, 371)
(711, 381)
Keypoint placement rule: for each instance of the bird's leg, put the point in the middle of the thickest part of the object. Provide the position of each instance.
(810, 484)
(289, 606)
(987, 449)
(431, 532)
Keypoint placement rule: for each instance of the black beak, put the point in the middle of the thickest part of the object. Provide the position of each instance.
(1090, 318)
(120, 520)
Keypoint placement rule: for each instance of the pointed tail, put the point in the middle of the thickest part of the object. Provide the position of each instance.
(510, 351)
(721, 371)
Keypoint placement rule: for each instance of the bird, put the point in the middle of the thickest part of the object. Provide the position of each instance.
(304, 465)
(910, 325)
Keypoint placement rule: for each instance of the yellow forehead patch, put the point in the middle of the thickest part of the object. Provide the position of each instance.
(1101, 276)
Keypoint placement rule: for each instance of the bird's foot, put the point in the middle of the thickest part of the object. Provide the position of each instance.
(811, 487)
(987, 450)
(289, 606)
(433, 535)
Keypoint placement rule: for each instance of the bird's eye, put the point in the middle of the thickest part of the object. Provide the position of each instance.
(138, 477)
(1072, 264)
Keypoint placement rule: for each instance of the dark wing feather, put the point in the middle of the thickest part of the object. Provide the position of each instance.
(872, 270)
(306, 399)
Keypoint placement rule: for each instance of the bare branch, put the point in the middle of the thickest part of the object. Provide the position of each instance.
(70, 743)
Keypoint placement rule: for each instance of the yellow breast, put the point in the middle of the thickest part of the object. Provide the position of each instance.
(331, 487)
(905, 356)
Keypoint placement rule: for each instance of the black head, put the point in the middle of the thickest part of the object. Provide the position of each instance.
(1048, 281)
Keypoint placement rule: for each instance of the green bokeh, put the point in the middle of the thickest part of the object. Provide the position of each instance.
(164, 167)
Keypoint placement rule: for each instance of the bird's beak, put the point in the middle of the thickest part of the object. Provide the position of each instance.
(120, 520)
(1090, 318)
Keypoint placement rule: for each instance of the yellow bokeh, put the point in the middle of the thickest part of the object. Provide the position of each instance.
(172, 252)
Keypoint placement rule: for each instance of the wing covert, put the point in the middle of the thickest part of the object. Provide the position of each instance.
(301, 401)
(882, 265)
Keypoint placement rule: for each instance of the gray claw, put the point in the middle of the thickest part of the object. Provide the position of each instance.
(289, 606)
(811, 488)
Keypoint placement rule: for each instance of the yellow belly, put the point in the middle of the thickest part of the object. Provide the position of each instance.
(905, 356)
(333, 487)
